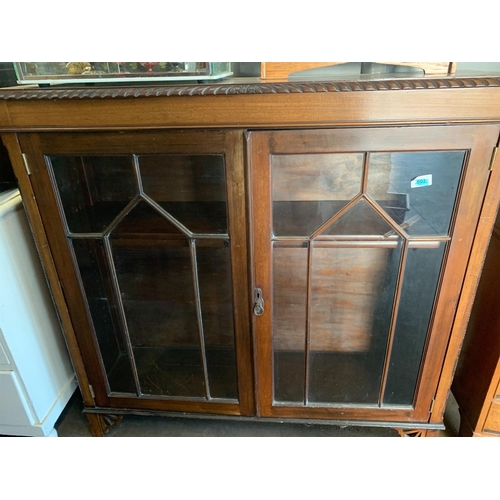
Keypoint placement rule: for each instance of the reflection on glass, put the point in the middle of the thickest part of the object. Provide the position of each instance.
(352, 294)
(191, 188)
(309, 189)
(289, 321)
(429, 182)
(103, 310)
(423, 266)
(215, 284)
(93, 189)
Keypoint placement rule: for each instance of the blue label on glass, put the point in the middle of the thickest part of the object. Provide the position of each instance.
(422, 181)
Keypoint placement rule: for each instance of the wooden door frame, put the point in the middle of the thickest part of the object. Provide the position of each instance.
(230, 143)
(479, 140)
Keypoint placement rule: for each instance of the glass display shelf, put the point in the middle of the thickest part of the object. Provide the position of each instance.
(51, 73)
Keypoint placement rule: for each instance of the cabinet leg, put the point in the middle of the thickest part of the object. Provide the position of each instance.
(433, 433)
(418, 432)
(100, 424)
(465, 428)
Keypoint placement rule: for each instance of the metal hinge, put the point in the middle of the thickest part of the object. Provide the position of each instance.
(493, 158)
(26, 164)
(92, 393)
(431, 409)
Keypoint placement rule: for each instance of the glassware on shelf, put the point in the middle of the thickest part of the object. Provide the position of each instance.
(149, 66)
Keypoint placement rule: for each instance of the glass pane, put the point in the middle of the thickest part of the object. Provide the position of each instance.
(289, 321)
(191, 188)
(360, 220)
(93, 189)
(417, 189)
(214, 275)
(144, 221)
(98, 289)
(423, 266)
(156, 284)
(309, 189)
(352, 294)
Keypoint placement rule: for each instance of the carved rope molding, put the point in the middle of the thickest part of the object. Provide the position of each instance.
(239, 89)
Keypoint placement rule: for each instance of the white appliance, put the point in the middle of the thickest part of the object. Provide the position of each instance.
(36, 375)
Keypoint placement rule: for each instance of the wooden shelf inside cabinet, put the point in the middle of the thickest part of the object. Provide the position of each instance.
(304, 251)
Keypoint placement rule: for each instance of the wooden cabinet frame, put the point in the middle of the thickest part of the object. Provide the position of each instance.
(34, 122)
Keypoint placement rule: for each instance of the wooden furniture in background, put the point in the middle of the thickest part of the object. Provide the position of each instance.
(273, 70)
(476, 386)
(254, 250)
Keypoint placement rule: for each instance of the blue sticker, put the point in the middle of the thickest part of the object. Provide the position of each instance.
(421, 181)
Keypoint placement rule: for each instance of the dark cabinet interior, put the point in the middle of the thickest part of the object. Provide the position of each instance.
(7, 178)
(160, 299)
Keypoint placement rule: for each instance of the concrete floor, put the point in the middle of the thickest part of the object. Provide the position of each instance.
(72, 423)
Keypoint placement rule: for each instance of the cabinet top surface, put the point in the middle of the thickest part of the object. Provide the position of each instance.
(239, 86)
(252, 103)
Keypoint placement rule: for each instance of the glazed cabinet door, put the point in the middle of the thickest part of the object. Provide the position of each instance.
(360, 243)
(147, 231)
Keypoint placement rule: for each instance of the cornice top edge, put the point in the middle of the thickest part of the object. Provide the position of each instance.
(79, 93)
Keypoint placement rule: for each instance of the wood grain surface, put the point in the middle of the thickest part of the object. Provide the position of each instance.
(411, 105)
(492, 423)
